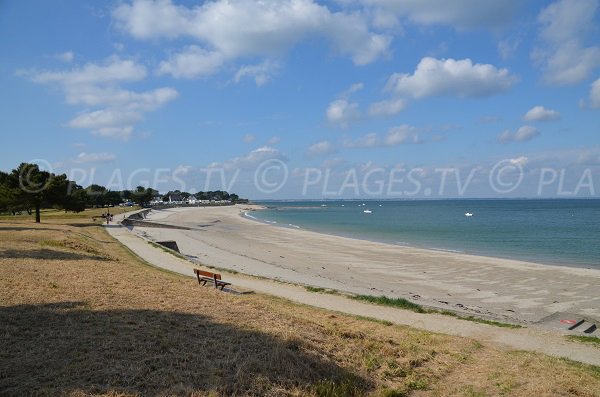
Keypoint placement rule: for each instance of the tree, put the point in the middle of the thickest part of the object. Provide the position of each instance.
(112, 198)
(96, 195)
(29, 187)
(4, 191)
(142, 195)
(77, 198)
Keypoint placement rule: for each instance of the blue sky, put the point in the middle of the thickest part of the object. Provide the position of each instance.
(306, 98)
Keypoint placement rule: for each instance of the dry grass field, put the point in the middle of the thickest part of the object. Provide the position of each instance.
(81, 315)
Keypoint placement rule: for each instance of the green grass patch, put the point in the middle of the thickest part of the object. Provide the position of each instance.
(320, 290)
(594, 340)
(476, 319)
(394, 302)
(490, 322)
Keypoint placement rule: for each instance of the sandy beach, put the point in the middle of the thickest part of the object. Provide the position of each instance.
(498, 288)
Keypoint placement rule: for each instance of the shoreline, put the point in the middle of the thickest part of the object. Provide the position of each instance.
(492, 255)
(504, 289)
(415, 247)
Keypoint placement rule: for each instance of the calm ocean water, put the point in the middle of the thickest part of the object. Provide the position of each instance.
(565, 232)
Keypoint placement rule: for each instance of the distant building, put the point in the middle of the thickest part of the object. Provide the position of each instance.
(175, 197)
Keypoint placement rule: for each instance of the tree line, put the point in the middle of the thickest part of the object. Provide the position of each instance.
(27, 188)
(217, 195)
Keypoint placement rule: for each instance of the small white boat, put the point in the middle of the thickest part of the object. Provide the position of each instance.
(368, 211)
(468, 214)
(342, 205)
(323, 205)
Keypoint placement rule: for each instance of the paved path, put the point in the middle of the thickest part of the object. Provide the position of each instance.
(532, 338)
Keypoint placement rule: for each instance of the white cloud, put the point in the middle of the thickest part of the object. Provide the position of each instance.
(459, 78)
(522, 161)
(595, 94)
(248, 138)
(353, 89)
(320, 148)
(342, 112)
(563, 54)
(523, 134)
(251, 160)
(66, 57)
(97, 85)
(84, 158)
(462, 14)
(261, 73)
(107, 122)
(112, 96)
(113, 70)
(387, 108)
(192, 62)
(540, 113)
(230, 29)
(403, 134)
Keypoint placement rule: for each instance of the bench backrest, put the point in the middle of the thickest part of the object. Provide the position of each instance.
(207, 274)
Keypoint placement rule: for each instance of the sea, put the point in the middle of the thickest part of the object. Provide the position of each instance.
(549, 231)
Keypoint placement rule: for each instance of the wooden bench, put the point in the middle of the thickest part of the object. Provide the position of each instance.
(205, 277)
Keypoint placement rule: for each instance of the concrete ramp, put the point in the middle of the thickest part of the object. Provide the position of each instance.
(570, 323)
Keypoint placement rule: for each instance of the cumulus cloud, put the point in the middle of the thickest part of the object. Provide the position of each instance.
(321, 148)
(562, 53)
(463, 14)
(523, 134)
(98, 85)
(387, 108)
(107, 122)
(595, 95)
(403, 134)
(540, 113)
(342, 112)
(85, 158)
(192, 62)
(116, 97)
(261, 73)
(232, 29)
(459, 78)
(112, 70)
(251, 160)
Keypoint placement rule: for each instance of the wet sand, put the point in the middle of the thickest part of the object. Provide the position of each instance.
(499, 288)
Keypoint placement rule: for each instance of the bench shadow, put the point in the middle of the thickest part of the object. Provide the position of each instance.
(62, 348)
(48, 254)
